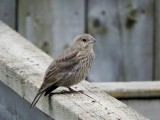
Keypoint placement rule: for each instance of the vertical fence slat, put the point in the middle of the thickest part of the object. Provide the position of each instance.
(69, 21)
(104, 25)
(35, 22)
(124, 30)
(51, 25)
(7, 12)
(157, 41)
(137, 38)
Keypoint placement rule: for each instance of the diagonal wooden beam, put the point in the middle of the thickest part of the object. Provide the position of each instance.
(22, 67)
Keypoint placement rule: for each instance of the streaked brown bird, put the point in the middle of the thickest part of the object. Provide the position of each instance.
(70, 68)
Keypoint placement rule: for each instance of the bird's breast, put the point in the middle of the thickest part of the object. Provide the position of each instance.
(80, 71)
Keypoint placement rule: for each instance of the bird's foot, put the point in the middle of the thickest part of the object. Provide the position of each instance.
(71, 90)
(75, 91)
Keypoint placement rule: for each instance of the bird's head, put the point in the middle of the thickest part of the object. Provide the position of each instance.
(84, 41)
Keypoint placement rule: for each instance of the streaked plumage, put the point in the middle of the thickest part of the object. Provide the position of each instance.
(70, 68)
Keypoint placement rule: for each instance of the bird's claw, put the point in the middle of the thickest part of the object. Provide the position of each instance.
(75, 91)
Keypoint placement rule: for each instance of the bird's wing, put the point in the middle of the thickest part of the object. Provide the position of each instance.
(60, 69)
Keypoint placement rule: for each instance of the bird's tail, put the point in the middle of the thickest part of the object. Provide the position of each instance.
(36, 99)
(40, 92)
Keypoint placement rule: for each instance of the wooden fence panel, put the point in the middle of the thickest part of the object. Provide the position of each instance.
(124, 30)
(51, 25)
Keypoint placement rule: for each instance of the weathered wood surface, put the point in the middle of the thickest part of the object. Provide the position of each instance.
(124, 31)
(148, 107)
(143, 96)
(136, 20)
(157, 41)
(130, 89)
(22, 68)
(14, 107)
(8, 12)
(35, 22)
(51, 25)
(123, 28)
(104, 25)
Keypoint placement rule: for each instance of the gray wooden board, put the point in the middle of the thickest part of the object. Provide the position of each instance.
(157, 41)
(124, 31)
(7, 12)
(148, 107)
(36, 22)
(51, 25)
(143, 89)
(136, 19)
(14, 107)
(143, 96)
(103, 24)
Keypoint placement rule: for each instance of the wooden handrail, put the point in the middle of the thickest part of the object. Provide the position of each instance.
(139, 89)
(22, 67)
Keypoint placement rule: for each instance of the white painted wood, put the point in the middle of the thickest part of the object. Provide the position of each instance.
(136, 19)
(7, 12)
(51, 25)
(22, 67)
(130, 89)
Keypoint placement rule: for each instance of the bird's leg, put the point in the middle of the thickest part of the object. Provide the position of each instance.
(71, 89)
(75, 91)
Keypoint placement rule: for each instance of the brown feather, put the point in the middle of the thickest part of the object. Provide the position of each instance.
(70, 67)
(58, 69)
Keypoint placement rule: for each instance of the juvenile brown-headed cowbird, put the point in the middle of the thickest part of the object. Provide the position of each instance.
(70, 68)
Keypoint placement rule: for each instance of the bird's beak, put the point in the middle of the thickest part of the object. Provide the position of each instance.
(93, 40)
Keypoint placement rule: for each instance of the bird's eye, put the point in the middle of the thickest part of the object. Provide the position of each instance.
(84, 40)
